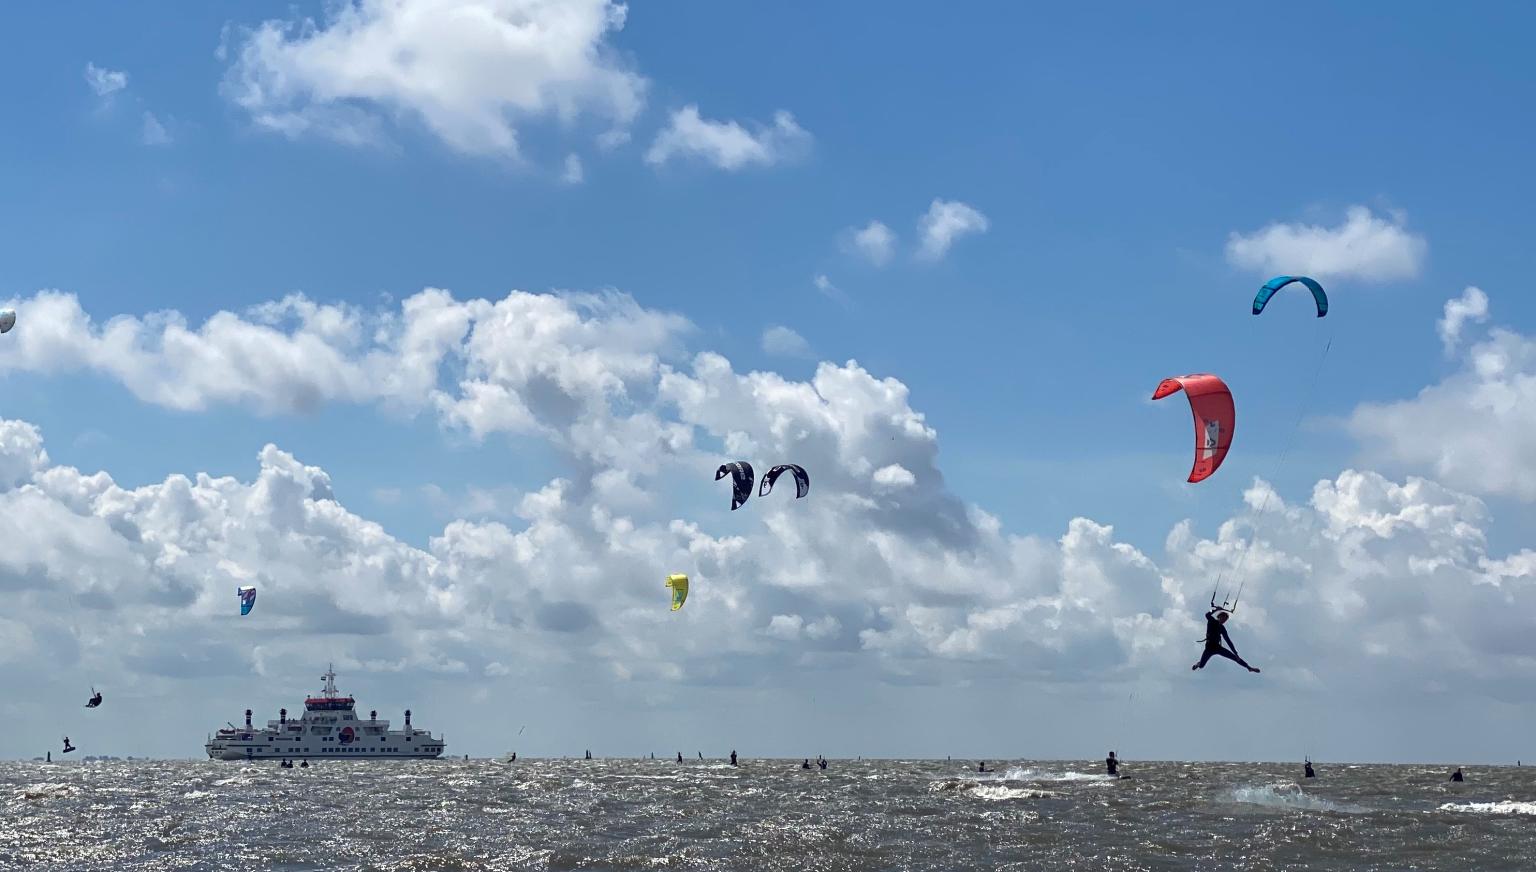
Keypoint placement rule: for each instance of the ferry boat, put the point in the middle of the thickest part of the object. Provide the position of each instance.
(328, 728)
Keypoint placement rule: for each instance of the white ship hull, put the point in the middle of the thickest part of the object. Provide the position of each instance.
(328, 729)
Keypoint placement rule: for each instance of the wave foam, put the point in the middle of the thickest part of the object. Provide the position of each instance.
(1507, 806)
(1289, 797)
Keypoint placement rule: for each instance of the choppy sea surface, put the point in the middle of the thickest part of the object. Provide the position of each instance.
(764, 814)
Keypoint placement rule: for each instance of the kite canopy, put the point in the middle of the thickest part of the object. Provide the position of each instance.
(1215, 418)
(1278, 282)
(7, 320)
(802, 481)
(742, 477)
(679, 587)
(247, 594)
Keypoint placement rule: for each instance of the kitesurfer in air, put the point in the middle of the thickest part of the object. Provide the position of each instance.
(1215, 632)
(95, 699)
(68, 747)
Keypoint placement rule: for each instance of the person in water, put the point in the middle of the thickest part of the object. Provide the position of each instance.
(806, 763)
(1112, 763)
(303, 764)
(1215, 632)
(1455, 776)
(1307, 771)
(733, 757)
(95, 699)
(821, 762)
(982, 767)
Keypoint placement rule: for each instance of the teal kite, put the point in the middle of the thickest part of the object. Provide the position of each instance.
(1278, 282)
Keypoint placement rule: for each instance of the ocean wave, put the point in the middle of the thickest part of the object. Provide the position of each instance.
(1019, 774)
(995, 792)
(1507, 806)
(1289, 797)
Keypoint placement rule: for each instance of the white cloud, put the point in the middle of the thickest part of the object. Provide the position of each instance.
(726, 144)
(894, 476)
(573, 174)
(785, 342)
(104, 83)
(1363, 247)
(1470, 308)
(1475, 430)
(1389, 582)
(470, 71)
(874, 242)
(945, 222)
(154, 133)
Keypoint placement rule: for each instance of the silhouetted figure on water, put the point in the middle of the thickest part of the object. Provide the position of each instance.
(821, 762)
(1307, 772)
(679, 756)
(1215, 632)
(1112, 763)
(806, 764)
(733, 757)
(1456, 776)
(982, 767)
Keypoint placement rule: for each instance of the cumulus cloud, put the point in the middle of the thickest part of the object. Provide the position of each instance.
(726, 144)
(470, 71)
(874, 242)
(1391, 582)
(1475, 429)
(945, 222)
(784, 342)
(1363, 247)
(1470, 308)
(103, 82)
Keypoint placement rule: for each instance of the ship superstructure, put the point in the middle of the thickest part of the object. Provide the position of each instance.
(329, 728)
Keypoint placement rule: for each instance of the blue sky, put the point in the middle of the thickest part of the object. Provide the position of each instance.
(1113, 150)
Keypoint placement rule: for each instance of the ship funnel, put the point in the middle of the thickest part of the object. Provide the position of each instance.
(407, 718)
(247, 718)
(282, 716)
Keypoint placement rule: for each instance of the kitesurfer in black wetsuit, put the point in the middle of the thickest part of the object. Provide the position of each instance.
(1215, 632)
(821, 762)
(1112, 764)
(982, 767)
(95, 699)
(1308, 770)
(806, 763)
(68, 747)
(1455, 776)
(733, 758)
(679, 756)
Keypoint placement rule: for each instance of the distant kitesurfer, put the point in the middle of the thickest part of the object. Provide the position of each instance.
(821, 762)
(982, 767)
(1215, 632)
(95, 699)
(733, 757)
(701, 754)
(1308, 770)
(50, 757)
(679, 756)
(67, 746)
(303, 764)
(1112, 764)
(806, 764)
(1455, 776)
(514, 756)
(589, 755)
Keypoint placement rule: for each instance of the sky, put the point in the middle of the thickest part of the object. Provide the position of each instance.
(434, 318)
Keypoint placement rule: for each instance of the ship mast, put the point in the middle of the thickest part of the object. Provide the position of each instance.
(329, 691)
